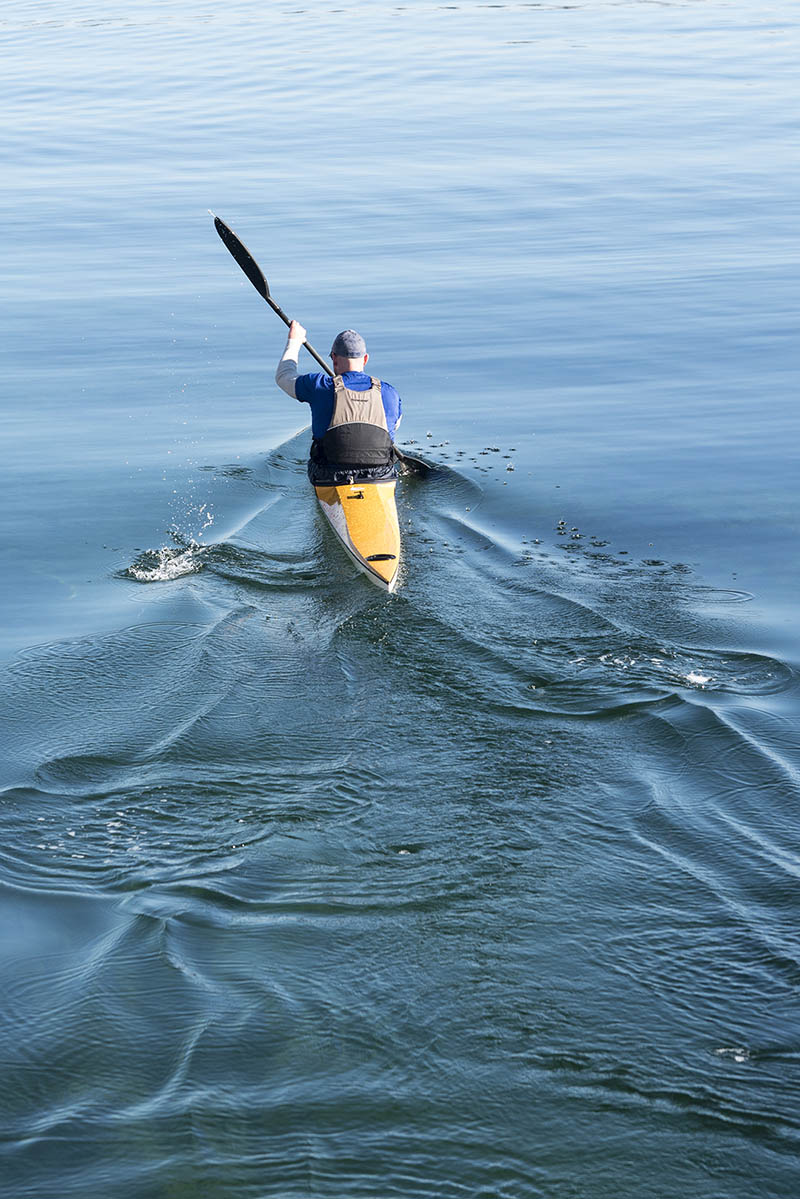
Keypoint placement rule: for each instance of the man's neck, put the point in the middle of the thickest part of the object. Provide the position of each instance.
(344, 366)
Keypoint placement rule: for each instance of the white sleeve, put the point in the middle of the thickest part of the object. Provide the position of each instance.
(286, 373)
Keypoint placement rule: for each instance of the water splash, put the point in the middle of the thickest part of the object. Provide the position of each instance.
(170, 561)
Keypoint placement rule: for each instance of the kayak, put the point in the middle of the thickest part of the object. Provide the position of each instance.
(364, 518)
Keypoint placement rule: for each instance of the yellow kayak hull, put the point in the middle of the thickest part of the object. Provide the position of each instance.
(364, 518)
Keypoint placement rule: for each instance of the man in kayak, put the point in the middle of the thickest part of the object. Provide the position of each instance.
(353, 415)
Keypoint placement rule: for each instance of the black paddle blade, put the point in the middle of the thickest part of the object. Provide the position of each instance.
(414, 466)
(243, 256)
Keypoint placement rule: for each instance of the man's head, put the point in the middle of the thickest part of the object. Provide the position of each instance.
(349, 352)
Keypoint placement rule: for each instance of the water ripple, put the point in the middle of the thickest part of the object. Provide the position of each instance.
(279, 796)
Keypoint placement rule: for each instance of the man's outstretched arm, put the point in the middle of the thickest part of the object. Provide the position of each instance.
(286, 373)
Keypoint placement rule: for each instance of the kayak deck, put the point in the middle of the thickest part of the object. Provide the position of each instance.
(364, 518)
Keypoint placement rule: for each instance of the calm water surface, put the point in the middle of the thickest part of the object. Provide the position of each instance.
(489, 888)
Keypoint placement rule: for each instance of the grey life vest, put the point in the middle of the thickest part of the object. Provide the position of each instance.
(358, 434)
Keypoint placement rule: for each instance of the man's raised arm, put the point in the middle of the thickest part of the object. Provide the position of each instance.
(286, 373)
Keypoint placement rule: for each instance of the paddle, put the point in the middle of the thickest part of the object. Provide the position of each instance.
(247, 262)
(256, 276)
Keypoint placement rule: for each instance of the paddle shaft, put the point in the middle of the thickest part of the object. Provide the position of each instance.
(277, 308)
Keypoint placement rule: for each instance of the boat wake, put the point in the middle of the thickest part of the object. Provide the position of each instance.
(524, 768)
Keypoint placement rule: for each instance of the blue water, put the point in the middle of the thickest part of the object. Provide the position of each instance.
(489, 887)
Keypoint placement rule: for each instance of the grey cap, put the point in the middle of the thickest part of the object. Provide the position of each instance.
(349, 344)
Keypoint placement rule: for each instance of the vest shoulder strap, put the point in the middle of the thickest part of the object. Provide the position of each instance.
(359, 406)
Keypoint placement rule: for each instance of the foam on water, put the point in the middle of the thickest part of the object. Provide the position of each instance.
(166, 564)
